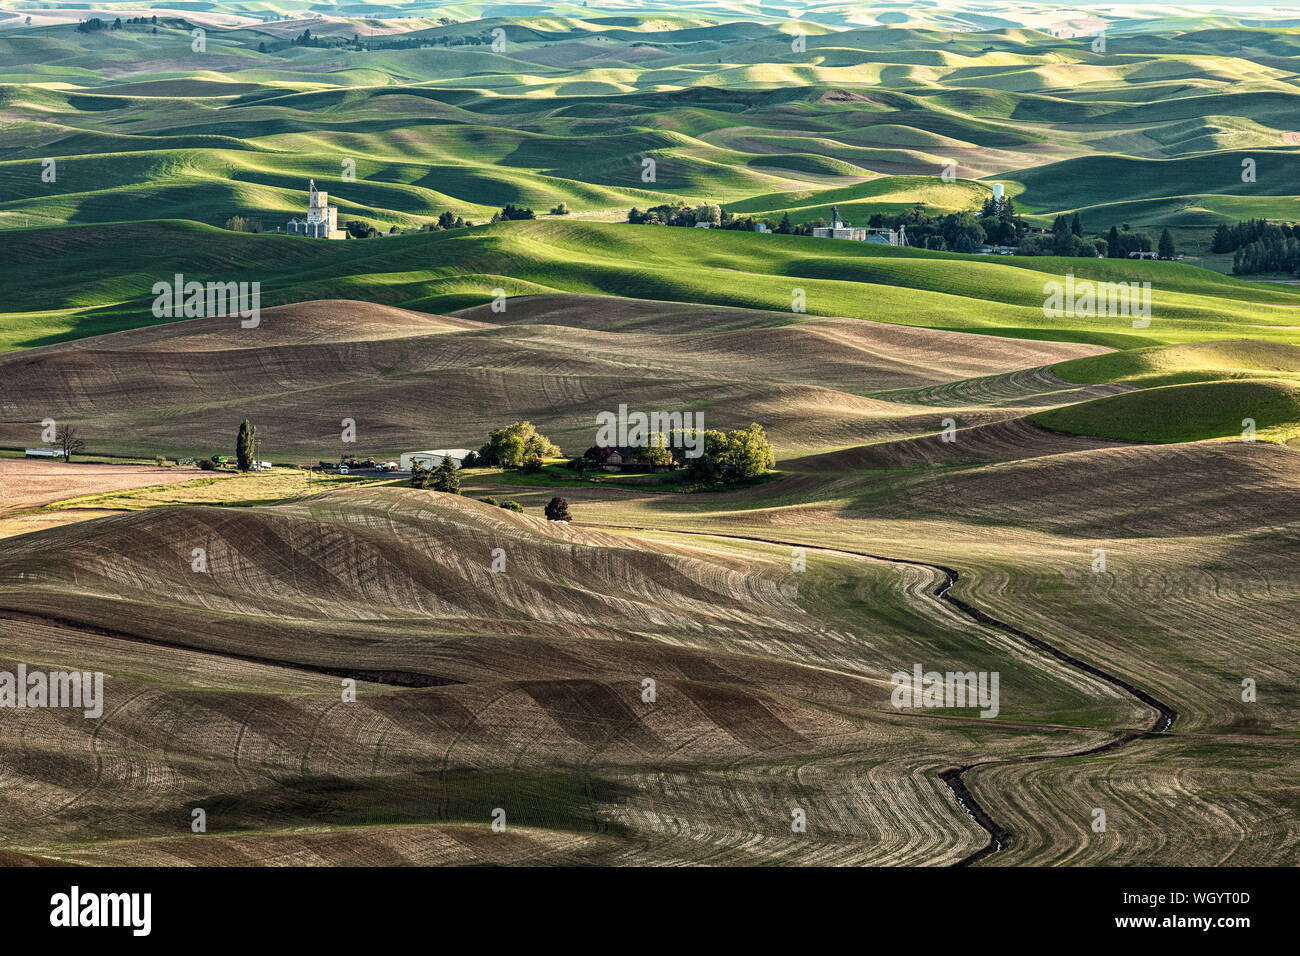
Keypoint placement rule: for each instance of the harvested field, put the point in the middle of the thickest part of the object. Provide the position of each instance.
(522, 689)
(752, 675)
(560, 359)
(27, 483)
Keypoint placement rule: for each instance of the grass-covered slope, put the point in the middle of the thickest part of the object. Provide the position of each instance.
(1182, 413)
(440, 272)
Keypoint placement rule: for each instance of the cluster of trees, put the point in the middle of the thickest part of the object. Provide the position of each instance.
(242, 224)
(730, 457)
(445, 477)
(1121, 243)
(360, 229)
(510, 211)
(995, 222)
(306, 39)
(95, 23)
(445, 221)
(1065, 239)
(1231, 238)
(518, 445)
(482, 39)
(1271, 254)
(410, 43)
(1260, 246)
(676, 214)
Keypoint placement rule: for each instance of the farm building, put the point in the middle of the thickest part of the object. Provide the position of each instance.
(322, 219)
(432, 459)
(840, 229)
(44, 452)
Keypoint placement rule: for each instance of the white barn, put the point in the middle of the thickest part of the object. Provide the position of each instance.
(432, 459)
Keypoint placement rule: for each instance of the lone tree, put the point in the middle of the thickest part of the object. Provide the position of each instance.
(68, 441)
(244, 446)
(557, 509)
(446, 477)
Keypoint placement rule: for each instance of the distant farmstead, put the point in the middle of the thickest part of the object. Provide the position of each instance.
(322, 220)
(841, 229)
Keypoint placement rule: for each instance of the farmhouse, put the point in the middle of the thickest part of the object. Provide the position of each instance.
(432, 459)
(322, 218)
(624, 458)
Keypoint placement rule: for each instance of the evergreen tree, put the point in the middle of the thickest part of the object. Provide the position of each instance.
(421, 475)
(1076, 225)
(557, 509)
(446, 477)
(785, 228)
(1166, 247)
(1112, 243)
(244, 446)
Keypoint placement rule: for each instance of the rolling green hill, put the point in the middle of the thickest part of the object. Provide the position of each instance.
(434, 117)
(1184, 413)
(443, 271)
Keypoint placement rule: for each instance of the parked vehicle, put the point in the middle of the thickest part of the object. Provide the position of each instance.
(343, 469)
